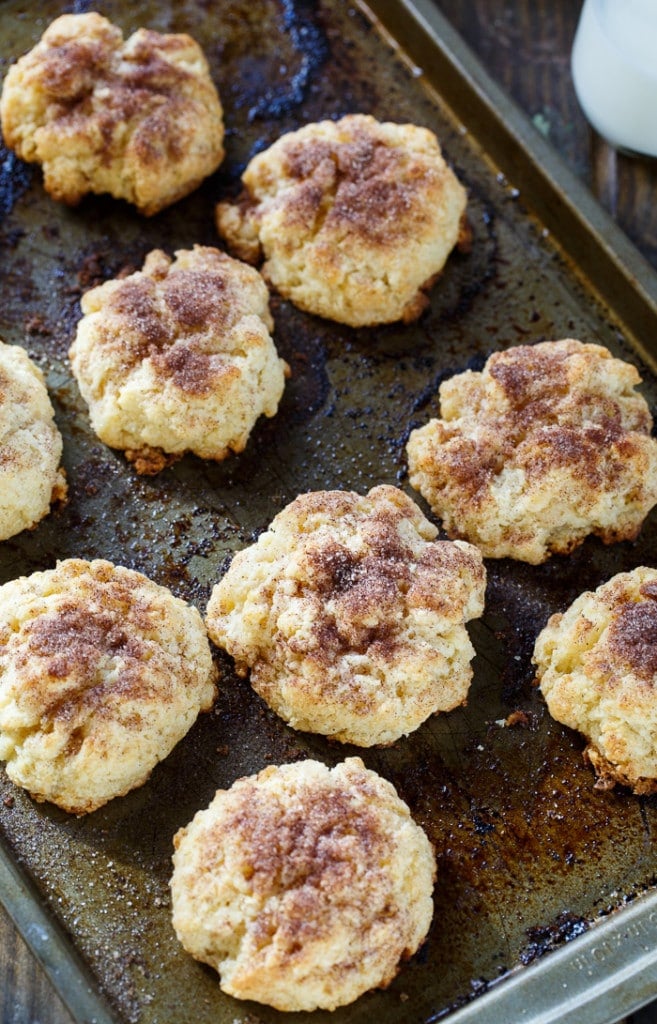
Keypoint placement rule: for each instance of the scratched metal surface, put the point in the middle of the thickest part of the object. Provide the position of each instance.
(529, 854)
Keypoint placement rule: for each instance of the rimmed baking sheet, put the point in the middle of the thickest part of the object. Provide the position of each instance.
(531, 858)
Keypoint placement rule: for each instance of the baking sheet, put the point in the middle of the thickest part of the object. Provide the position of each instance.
(530, 857)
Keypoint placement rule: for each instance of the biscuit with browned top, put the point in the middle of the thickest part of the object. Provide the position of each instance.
(140, 119)
(548, 444)
(31, 478)
(350, 617)
(303, 886)
(102, 672)
(178, 357)
(597, 669)
(354, 218)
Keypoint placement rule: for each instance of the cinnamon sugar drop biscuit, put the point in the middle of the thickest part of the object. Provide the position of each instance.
(140, 119)
(597, 669)
(549, 443)
(178, 357)
(350, 617)
(30, 445)
(303, 886)
(102, 672)
(354, 218)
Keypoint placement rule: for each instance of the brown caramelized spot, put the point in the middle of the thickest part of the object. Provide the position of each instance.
(527, 374)
(381, 532)
(466, 234)
(190, 370)
(198, 298)
(335, 568)
(74, 643)
(359, 586)
(154, 140)
(365, 582)
(364, 157)
(518, 718)
(378, 210)
(135, 302)
(562, 447)
(358, 597)
(471, 465)
(170, 317)
(123, 105)
(69, 71)
(78, 634)
(547, 423)
(155, 306)
(145, 67)
(123, 89)
(374, 192)
(150, 461)
(59, 493)
(302, 159)
(332, 504)
(9, 456)
(306, 206)
(316, 842)
(434, 580)
(633, 638)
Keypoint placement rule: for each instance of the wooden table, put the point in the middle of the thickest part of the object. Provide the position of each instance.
(525, 45)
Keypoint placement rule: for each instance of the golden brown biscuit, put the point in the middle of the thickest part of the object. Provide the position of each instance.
(350, 618)
(597, 669)
(140, 119)
(30, 445)
(178, 357)
(354, 218)
(102, 672)
(303, 886)
(549, 443)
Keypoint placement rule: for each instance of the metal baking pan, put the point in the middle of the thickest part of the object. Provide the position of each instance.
(546, 907)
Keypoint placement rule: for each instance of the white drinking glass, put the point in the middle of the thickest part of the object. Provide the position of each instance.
(614, 65)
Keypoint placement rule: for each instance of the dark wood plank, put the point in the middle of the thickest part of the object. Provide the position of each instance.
(525, 45)
(26, 995)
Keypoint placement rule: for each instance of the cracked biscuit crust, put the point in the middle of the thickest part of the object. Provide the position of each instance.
(303, 886)
(178, 357)
(350, 617)
(597, 669)
(354, 218)
(548, 444)
(140, 119)
(102, 672)
(30, 445)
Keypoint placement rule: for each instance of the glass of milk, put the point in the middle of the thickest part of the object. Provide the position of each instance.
(614, 64)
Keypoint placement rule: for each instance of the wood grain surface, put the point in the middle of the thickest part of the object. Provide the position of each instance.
(26, 995)
(525, 45)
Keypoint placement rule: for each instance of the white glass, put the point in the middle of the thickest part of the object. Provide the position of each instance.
(614, 64)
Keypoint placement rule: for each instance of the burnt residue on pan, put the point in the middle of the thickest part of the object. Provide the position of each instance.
(15, 177)
(529, 854)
